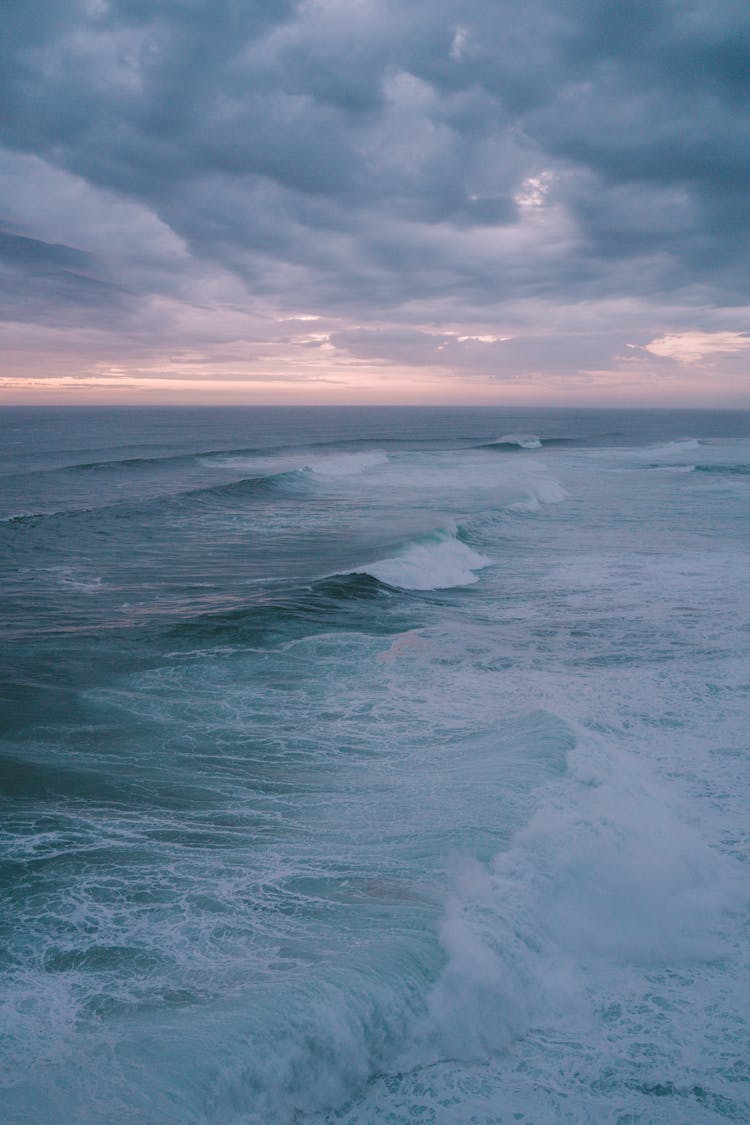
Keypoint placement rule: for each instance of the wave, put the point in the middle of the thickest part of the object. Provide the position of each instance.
(321, 465)
(603, 870)
(679, 445)
(238, 457)
(341, 601)
(122, 464)
(606, 891)
(30, 519)
(119, 464)
(210, 456)
(542, 490)
(521, 441)
(669, 450)
(516, 443)
(438, 561)
(724, 470)
(245, 487)
(347, 464)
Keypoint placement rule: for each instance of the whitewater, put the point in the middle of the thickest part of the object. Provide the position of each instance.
(374, 765)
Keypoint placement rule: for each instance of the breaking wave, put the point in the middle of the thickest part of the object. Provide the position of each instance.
(542, 490)
(439, 561)
(512, 443)
(522, 441)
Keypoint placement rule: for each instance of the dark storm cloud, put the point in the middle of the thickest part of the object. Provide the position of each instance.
(356, 155)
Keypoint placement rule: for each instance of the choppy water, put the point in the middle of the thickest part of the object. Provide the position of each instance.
(374, 766)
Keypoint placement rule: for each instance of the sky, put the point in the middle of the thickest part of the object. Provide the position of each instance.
(372, 201)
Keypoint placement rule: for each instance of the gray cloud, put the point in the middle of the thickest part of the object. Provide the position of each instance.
(43, 281)
(370, 159)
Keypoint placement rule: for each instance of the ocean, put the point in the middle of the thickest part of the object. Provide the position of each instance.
(374, 765)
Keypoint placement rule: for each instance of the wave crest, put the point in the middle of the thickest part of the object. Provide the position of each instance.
(521, 441)
(439, 561)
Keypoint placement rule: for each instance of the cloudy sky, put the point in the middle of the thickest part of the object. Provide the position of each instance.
(375, 201)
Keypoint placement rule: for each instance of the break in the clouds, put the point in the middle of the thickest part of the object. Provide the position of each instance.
(425, 200)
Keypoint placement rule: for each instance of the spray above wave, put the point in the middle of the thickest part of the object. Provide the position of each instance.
(439, 561)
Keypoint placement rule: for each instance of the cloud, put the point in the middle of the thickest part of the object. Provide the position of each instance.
(397, 169)
(692, 347)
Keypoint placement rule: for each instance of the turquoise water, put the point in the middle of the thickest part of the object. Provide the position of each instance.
(374, 765)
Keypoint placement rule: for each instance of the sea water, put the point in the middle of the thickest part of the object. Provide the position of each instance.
(374, 765)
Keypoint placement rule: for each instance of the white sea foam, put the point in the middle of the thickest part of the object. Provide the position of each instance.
(597, 965)
(606, 874)
(585, 936)
(437, 562)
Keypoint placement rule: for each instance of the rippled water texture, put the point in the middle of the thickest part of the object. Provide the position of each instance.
(374, 766)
